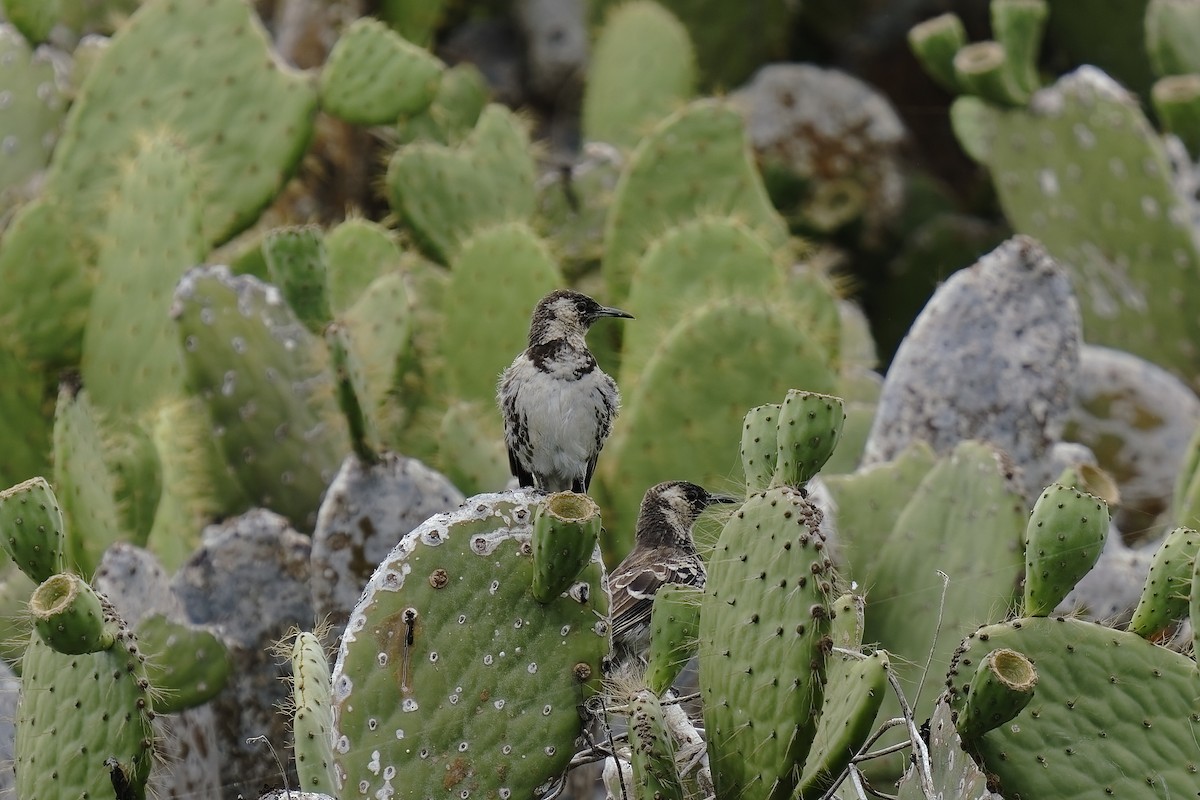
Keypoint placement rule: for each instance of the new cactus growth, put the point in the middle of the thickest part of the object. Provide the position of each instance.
(31, 528)
(1063, 539)
(186, 665)
(1165, 597)
(674, 628)
(68, 617)
(451, 677)
(759, 446)
(764, 638)
(1003, 685)
(566, 527)
(312, 717)
(810, 426)
(655, 774)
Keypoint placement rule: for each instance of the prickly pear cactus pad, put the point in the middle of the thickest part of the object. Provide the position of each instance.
(993, 356)
(1112, 715)
(31, 528)
(1065, 536)
(679, 423)
(75, 712)
(695, 161)
(203, 70)
(764, 636)
(1131, 252)
(150, 237)
(451, 680)
(445, 194)
(267, 384)
(642, 67)
(374, 76)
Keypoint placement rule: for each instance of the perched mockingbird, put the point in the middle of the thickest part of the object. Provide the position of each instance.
(558, 405)
(663, 552)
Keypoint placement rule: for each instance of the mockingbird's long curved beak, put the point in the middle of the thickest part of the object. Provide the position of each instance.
(724, 498)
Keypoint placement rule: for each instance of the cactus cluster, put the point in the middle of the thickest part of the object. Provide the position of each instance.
(265, 411)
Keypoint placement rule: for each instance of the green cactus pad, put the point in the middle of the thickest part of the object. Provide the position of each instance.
(68, 616)
(267, 385)
(566, 527)
(764, 637)
(196, 487)
(76, 713)
(415, 20)
(31, 528)
(731, 40)
(24, 424)
(298, 266)
(373, 76)
(696, 161)
(759, 352)
(641, 68)
(1063, 539)
(375, 335)
(810, 426)
(44, 303)
(1128, 251)
(186, 665)
(1164, 599)
(35, 104)
(655, 774)
(471, 449)
(488, 322)
(674, 632)
(87, 485)
(204, 72)
(1172, 28)
(150, 238)
(700, 260)
(312, 719)
(965, 519)
(854, 692)
(759, 445)
(357, 252)
(33, 18)
(461, 97)
(1112, 715)
(1003, 685)
(451, 677)
(444, 195)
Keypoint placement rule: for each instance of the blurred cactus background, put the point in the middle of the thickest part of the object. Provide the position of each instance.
(920, 279)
